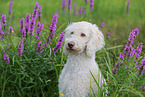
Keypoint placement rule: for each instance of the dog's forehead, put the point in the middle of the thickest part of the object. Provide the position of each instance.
(78, 27)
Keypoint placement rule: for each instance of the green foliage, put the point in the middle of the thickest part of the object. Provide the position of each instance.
(36, 75)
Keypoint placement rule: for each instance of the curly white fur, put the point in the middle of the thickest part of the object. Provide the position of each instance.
(82, 40)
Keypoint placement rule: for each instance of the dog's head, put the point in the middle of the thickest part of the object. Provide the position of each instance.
(83, 37)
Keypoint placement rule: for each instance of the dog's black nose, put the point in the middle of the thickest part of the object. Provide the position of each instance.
(71, 44)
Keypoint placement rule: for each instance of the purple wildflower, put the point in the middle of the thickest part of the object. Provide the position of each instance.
(61, 37)
(128, 67)
(10, 30)
(39, 47)
(91, 4)
(1, 34)
(63, 5)
(22, 23)
(45, 44)
(10, 6)
(108, 34)
(0, 25)
(141, 67)
(114, 70)
(52, 28)
(32, 26)
(80, 9)
(74, 9)
(27, 23)
(20, 48)
(127, 7)
(137, 67)
(59, 44)
(129, 51)
(39, 14)
(34, 15)
(8, 44)
(84, 11)
(57, 47)
(143, 88)
(36, 6)
(39, 29)
(23, 33)
(69, 4)
(4, 21)
(117, 64)
(86, 2)
(6, 58)
(102, 24)
(138, 51)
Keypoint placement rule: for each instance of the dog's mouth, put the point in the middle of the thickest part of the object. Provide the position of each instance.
(72, 50)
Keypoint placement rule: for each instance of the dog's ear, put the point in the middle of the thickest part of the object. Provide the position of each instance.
(96, 41)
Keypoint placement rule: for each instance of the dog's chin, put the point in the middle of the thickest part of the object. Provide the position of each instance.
(75, 51)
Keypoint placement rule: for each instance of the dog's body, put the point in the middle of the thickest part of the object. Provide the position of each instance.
(82, 40)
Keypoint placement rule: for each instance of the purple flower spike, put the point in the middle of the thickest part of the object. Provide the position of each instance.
(59, 44)
(114, 70)
(91, 4)
(61, 37)
(80, 9)
(36, 6)
(138, 50)
(117, 64)
(6, 58)
(136, 31)
(127, 7)
(34, 15)
(86, 2)
(1, 34)
(74, 9)
(27, 23)
(52, 28)
(32, 26)
(0, 25)
(10, 30)
(109, 34)
(102, 25)
(69, 4)
(23, 33)
(20, 48)
(39, 29)
(10, 6)
(22, 23)
(39, 14)
(4, 21)
(84, 11)
(39, 47)
(63, 5)
(57, 47)
(143, 88)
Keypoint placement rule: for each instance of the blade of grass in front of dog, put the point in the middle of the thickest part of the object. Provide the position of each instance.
(97, 83)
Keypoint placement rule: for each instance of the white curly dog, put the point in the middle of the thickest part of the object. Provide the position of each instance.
(82, 40)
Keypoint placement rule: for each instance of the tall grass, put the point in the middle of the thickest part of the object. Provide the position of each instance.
(36, 75)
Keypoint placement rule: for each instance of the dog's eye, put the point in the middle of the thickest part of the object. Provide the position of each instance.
(83, 35)
(72, 33)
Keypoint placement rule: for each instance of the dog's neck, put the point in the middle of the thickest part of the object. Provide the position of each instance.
(80, 59)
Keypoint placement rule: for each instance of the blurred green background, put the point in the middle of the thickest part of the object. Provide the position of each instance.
(111, 12)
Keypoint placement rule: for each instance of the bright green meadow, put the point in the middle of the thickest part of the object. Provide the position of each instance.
(36, 75)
